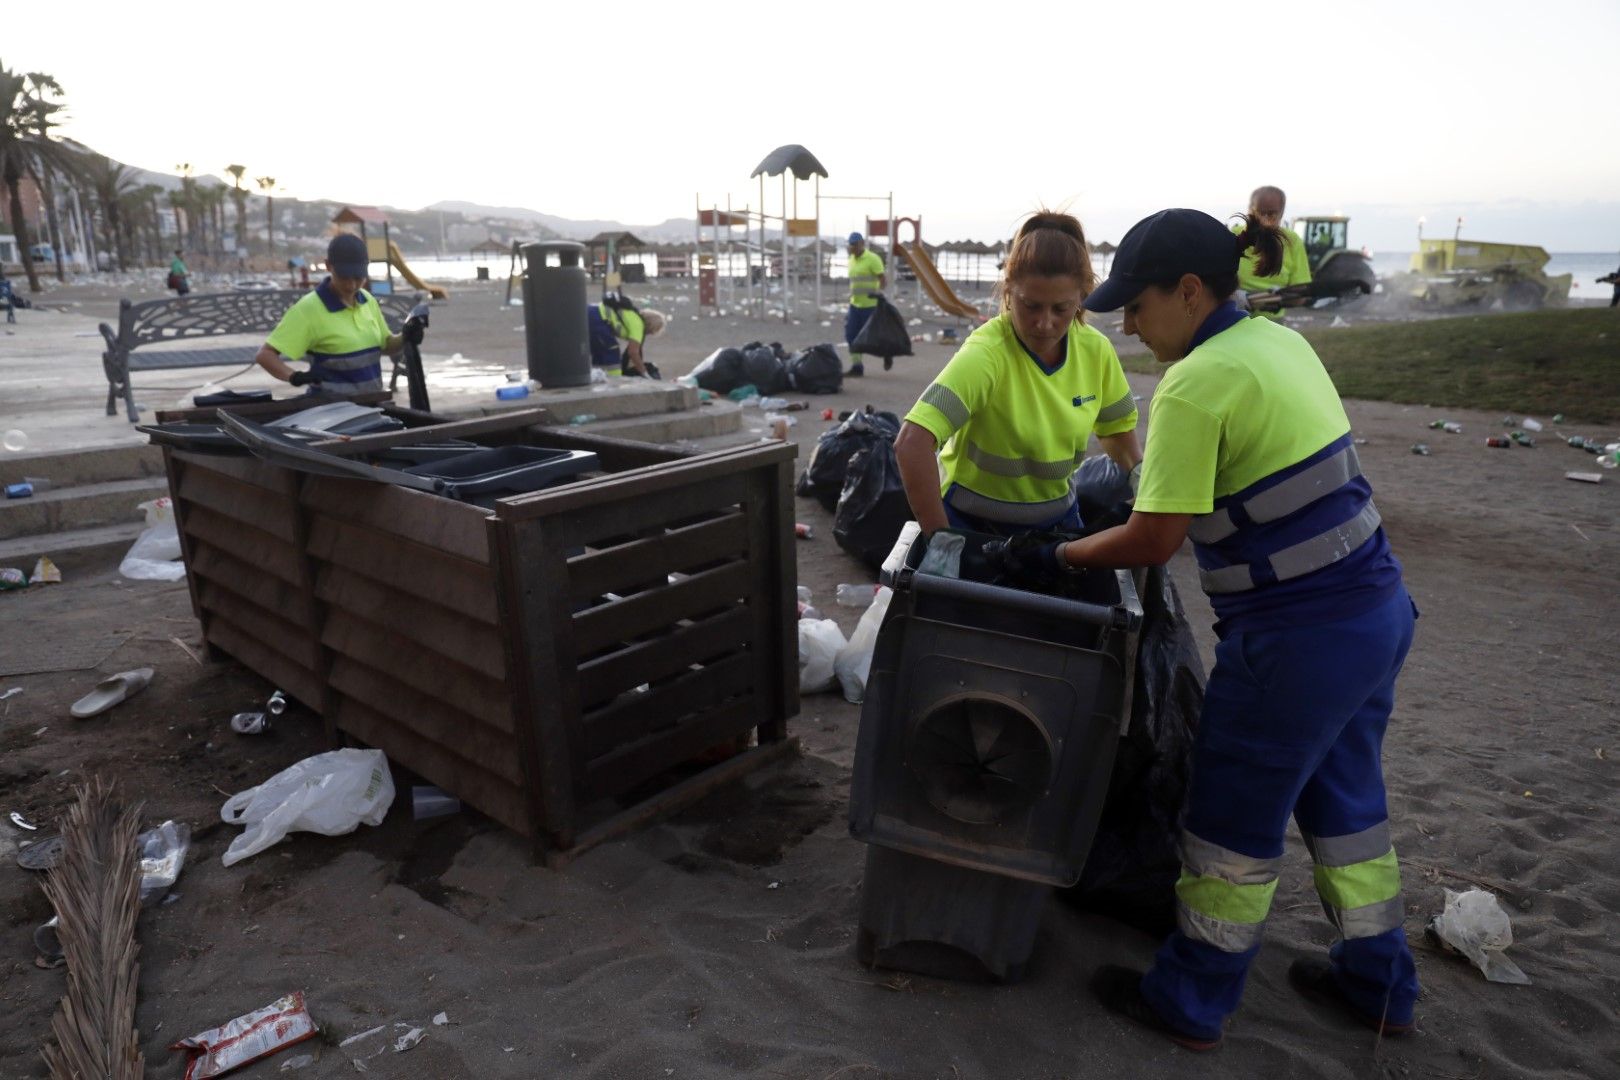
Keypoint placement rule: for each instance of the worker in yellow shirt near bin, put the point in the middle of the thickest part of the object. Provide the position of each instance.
(1267, 205)
(1017, 404)
(866, 280)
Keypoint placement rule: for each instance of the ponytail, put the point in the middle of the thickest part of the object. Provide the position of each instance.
(1267, 242)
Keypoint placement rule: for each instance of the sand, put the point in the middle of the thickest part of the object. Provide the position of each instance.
(720, 943)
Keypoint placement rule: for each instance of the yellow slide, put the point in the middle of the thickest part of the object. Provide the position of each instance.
(435, 291)
(935, 286)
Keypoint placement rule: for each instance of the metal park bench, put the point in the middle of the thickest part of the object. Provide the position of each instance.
(199, 315)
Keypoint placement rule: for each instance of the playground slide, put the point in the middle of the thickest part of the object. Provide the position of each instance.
(935, 286)
(435, 291)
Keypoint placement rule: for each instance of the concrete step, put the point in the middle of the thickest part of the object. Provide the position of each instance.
(72, 549)
(110, 502)
(715, 418)
(92, 465)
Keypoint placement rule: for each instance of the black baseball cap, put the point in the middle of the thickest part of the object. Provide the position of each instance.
(1159, 249)
(346, 256)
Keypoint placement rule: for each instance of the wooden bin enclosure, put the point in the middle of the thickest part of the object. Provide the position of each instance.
(543, 661)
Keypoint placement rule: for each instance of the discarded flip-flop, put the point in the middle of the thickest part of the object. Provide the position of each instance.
(110, 691)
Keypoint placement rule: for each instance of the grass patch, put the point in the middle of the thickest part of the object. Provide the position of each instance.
(1535, 363)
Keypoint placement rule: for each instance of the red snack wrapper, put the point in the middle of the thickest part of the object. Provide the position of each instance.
(258, 1034)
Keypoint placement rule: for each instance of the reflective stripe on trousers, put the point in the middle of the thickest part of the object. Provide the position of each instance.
(1223, 896)
(1359, 881)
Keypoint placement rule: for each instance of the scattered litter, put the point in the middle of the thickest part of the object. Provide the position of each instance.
(1420, 449)
(8, 693)
(581, 418)
(774, 885)
(431, 802)
(12, 578)
(855, 595)
(249, 1038)
(112, 690)
(1499, 441)
(357, 1036)
(441, 1019)
(40, 854)
(1531, 424)
(45, 572)
(408, 1040)
(48, 946)
(163, 852)
(820, 642)
(1475, 925)
(155, 555)
(298, 1062)
(1339, 322)
(1585, 477)
(276, 704)
(21, 823)
(250, 723)
(15, 440)
(188, 650)
(803, 531)
(331, 794)
(1580, 534)
(854, 662)
(42, 731)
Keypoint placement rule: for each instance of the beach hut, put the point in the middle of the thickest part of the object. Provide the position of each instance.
(603, 255)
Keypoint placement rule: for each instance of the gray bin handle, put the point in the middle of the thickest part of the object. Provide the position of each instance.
(1027, 602)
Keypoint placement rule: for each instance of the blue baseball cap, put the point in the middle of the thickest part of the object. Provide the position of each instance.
(346, 256)
(856, 238)
(1159, 249)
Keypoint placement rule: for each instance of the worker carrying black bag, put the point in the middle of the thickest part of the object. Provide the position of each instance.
(884, 334)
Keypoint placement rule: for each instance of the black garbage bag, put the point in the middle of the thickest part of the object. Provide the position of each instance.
(823, 475)
(721, 372)
(1131, 871)
(884, 334)
(816, 370)
(872, 509)
(764, 368)
(1103, 491)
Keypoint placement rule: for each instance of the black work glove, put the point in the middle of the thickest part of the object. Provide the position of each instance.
(412, 330)
(651, 370)
(303, 378)
(1028, 560)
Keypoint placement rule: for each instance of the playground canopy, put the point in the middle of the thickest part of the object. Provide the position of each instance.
(361, 216)
(792, 158)
(491, 246)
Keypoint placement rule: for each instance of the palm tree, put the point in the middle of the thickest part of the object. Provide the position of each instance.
(240, 195)
(39, 86)
(188, 201)
(267, 184)
(23, 152)
(112, 184)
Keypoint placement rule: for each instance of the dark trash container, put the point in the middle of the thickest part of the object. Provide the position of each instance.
(554, 314)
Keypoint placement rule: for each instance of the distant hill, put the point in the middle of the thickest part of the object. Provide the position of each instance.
(668, 231)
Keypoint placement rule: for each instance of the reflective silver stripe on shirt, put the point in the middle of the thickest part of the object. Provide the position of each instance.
(1368, 921)
(1225, 936)
(945, 400)
(1364, 846)
(1119, 410)
(996, 465)
(1293, 494)
(1321, 550)
(1204, 859)
(1009, 513)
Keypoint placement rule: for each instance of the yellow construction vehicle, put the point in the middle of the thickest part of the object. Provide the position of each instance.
(1477, 273)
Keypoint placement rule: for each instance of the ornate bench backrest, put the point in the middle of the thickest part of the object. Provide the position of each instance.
(255, 311)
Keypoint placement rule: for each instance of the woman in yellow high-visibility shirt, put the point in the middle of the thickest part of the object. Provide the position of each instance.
(1010, 416)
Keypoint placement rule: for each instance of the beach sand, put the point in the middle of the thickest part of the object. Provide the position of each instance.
(719, 943)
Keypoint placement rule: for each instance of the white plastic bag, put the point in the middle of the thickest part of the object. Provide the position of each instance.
(819, 643)
(854, 660)
(155, 555)
(330, 794)
(1475, 925)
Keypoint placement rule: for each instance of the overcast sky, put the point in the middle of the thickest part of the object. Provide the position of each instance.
(1502, 112)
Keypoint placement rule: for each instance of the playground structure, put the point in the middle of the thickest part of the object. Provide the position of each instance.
(381, 249)
(725, 236)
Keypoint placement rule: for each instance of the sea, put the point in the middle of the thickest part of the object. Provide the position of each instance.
(1585, 266)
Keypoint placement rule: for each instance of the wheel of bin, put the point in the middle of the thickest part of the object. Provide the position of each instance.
(980, 760)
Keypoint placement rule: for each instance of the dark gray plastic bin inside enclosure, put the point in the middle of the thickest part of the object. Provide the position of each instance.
(554, 314)
(991, 719)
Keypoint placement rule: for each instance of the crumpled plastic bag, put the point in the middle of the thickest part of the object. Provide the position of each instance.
(1475, 924)
(155, 555)
(854, 662)
(331, 794)
(819, 643)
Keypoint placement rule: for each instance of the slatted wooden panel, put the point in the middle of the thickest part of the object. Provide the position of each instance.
(671, 630)
(411, 627)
